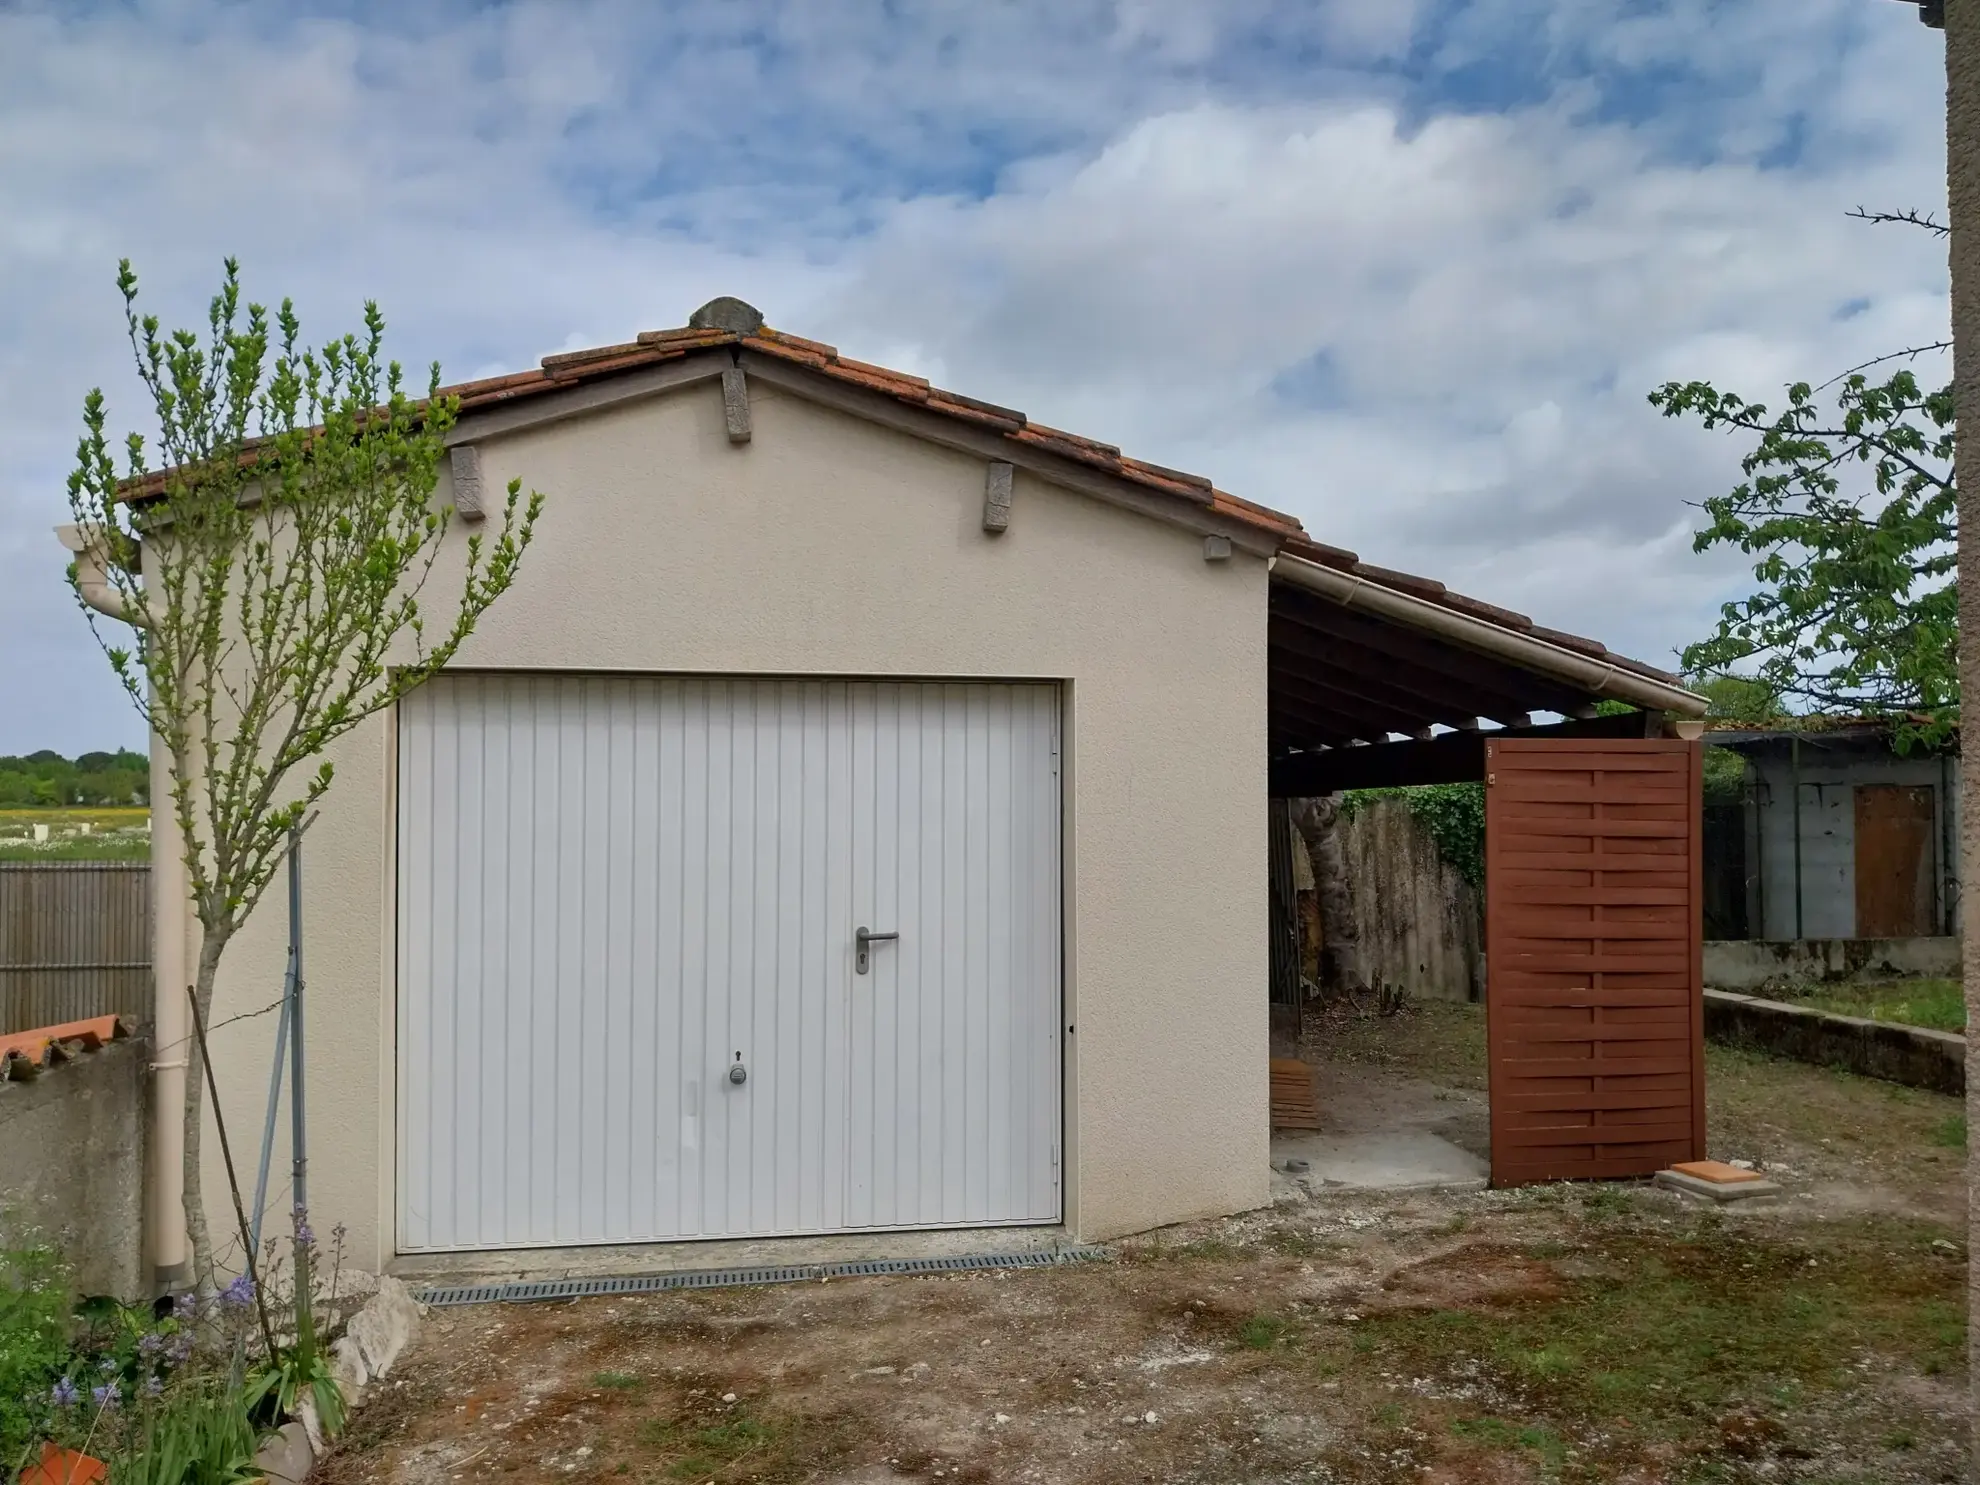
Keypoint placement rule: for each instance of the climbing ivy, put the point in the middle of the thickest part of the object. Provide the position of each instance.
(1454, 814)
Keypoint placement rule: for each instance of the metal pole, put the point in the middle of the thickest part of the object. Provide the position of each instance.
(274, 1100)
(1794, 776)
(298, 1124)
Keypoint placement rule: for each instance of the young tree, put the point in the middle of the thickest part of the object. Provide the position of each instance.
(1851, 514)
(284, 548)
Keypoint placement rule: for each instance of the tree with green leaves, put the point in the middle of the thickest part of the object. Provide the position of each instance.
(1849, 512)
(274, 574)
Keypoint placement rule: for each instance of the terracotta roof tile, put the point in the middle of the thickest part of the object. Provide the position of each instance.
(1173, 476)
(885, 373)
(687, 337)
(796, 342)
(24, 1054)
(595, 353)
(893, 385)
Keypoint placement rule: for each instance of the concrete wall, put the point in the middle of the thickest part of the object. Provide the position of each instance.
(830, 546)
(1915, 1056)
(72, 1164)
(1763, 964)
(1828, 837)
(1420, 921)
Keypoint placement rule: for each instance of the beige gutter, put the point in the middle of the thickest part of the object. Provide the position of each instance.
(1584, 672)
(165, 1215)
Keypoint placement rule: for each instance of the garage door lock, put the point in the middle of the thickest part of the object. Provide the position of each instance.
(863, 939)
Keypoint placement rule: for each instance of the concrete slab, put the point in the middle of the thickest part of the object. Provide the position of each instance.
(661, 1258)
(1719, 1191)
(1380, 1131)
(1389, 1160)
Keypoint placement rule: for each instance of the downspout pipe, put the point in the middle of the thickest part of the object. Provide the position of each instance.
(165, 1214)
(1597, 677)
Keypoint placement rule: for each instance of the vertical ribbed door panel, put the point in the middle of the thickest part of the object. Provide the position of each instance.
(612, 891)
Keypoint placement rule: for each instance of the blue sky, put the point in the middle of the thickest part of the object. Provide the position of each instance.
(1404, 269)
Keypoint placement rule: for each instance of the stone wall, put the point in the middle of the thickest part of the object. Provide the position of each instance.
(72, 1161)
(1420, 921)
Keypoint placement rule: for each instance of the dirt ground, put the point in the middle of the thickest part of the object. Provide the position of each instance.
(1588, 1333)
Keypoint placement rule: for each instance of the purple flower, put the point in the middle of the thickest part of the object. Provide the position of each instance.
(107, 1397)
(108, 1366)
(150, 1343)
(238, 1294)
(153, 1386)
(179, 1349)
(64, 1394)
(303, 1233)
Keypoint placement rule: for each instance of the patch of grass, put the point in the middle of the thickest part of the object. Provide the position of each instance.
(707, 1450)
(1263, 1332)
(1950, 1132)
(1939, 1004)
(617, 1381)
(1549, 1445)
(1440, 1041)
(1607, 1201)
(1683, 1326)
(126, 846)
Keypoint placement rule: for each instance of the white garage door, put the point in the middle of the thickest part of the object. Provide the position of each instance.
(615, 891)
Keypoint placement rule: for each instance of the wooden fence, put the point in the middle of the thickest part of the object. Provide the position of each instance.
(75, 941)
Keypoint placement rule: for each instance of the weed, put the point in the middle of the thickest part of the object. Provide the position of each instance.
(1900, 1438)
(1263, 1332)
(616, 1381)
(1949, 1133)
(1603, 1202)
(1543, 1441)
(708, 1450)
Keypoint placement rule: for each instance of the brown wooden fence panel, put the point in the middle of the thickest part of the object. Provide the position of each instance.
(75, 941)
(1595, 1009)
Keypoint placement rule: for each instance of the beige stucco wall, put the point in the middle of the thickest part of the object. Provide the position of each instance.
(830, 545)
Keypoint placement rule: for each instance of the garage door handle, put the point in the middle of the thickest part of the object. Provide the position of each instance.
(863, 939)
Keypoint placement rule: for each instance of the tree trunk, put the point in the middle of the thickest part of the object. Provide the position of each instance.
(194, 1200)
(1318, 823)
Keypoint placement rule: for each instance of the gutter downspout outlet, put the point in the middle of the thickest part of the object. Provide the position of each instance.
(93, 578)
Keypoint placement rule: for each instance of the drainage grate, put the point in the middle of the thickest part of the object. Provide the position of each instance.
(723, 1278)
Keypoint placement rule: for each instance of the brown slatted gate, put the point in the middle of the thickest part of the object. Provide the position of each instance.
(1594, 1007)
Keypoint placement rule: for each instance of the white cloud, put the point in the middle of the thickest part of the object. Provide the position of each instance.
(1335, 285)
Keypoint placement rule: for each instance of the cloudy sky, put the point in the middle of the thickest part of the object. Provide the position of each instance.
(1404, 269)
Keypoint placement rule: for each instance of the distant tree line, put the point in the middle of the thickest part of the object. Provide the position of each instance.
(47, 778)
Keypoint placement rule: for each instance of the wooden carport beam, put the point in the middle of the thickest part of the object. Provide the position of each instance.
(1363, 715)
(1453, 758)
(1491, 687)
(1294, 652)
